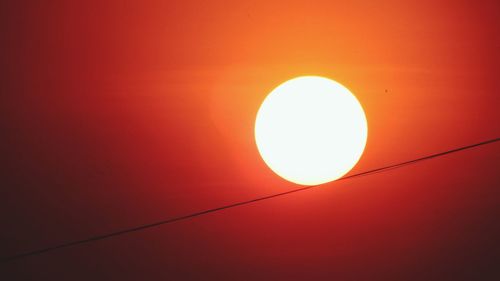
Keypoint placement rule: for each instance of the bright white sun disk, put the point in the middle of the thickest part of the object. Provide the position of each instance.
(311, 130)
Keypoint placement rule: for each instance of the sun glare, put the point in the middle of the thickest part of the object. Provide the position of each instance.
(311, 130)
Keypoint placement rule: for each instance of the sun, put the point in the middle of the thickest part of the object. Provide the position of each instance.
(311, 130)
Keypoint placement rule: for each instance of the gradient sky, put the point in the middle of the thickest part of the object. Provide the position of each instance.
(119, 113)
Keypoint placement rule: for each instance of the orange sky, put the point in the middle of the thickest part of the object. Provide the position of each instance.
(122, 113)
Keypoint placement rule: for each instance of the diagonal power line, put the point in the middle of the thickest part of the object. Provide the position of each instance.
(213, 210)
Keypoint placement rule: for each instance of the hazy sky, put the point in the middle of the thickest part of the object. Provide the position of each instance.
(118, 113)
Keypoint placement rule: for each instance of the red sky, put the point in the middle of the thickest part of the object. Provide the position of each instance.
(118, 113)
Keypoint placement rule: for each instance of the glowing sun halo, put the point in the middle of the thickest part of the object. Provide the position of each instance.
(311, 130)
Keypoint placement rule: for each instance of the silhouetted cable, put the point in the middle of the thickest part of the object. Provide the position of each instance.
(201, 213)
(383, 169)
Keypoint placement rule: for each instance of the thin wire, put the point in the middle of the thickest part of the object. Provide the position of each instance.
(201, 213)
